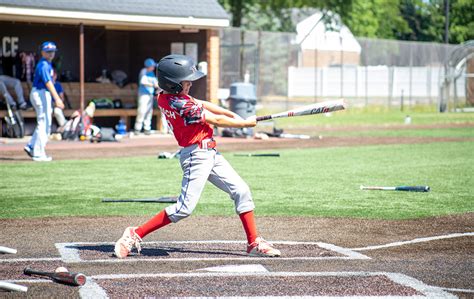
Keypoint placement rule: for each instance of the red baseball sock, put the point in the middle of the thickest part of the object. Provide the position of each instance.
(161, 219)
(248, 221)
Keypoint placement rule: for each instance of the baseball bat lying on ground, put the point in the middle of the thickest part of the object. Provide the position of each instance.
(12, 287)
(258, 155)
(323, 107)
(7, 250)
(163, 199)
(398, 188)
(74, 279)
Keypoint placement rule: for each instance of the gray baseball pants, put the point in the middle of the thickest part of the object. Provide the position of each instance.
(201, 165)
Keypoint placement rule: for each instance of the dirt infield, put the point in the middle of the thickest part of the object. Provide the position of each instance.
(183, 254)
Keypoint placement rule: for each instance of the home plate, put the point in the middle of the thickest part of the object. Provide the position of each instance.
(255, 268)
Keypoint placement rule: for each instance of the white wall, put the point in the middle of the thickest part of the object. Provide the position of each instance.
(373, 81)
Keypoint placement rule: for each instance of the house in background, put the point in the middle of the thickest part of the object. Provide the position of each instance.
(321, 47)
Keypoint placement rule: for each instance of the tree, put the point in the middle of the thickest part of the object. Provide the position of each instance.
(376, 18)
(461, 27)
(425, 19)
(277, 15)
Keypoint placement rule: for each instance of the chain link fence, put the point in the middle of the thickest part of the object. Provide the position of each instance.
(379, 72)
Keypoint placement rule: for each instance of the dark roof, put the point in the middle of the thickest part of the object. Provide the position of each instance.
(168, 8)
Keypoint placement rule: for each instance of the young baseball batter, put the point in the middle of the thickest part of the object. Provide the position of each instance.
(191, 122)
(41, 96)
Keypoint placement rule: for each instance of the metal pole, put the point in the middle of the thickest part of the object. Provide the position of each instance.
(81, 65)
(410, 75)
(342, 66)
(401, 102)
(366, 62)
(315, 69)
(241, 55)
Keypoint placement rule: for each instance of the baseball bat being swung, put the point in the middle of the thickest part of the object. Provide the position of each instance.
(74, 279)
(323, 107)
(398, 188)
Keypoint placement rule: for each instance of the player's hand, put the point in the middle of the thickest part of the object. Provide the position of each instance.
(59, 103)
(252, 121)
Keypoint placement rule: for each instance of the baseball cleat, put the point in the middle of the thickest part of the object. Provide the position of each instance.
(262, 248)
(125, 244)
(29, 151)
(42, 158)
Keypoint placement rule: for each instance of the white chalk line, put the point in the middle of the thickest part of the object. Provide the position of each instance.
(212, 259)
(29, 280)
(92, 290)
(414, 241)
(457, 290)
(32, 259)
(70, 252)
(248, 268)
(401, 279)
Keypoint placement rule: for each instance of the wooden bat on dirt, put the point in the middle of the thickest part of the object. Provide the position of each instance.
(398, 188)
(164, 199)
(323, 107)
(74, 279)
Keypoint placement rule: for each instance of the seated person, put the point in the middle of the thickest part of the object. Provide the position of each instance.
(13, 83)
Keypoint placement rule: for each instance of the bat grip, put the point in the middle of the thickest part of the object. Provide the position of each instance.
(265, 117)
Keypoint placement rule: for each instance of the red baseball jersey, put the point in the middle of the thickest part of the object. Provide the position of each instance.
(185, 118)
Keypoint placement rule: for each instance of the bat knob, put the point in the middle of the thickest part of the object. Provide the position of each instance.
(80, 279)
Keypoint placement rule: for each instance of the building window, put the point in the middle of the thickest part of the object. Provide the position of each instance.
(188, 49)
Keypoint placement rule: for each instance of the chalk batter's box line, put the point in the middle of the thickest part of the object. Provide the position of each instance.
(70, 252)
(92, 290)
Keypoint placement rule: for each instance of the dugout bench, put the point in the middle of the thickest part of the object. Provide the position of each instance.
(128, 95)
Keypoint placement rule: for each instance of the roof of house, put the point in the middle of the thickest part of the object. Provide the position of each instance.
(129, 10)
(313, 34)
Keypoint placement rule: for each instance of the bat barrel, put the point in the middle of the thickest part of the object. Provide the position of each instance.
(414, 188)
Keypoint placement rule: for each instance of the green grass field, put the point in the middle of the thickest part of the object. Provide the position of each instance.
(302, 182)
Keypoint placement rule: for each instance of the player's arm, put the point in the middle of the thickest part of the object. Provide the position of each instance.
(144, 80)
(224, 121)
(57, 99)
(217, 110)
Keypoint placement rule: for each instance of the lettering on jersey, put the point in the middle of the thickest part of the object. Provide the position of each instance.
(168, 114)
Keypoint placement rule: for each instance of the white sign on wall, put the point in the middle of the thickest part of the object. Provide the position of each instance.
(9, 46)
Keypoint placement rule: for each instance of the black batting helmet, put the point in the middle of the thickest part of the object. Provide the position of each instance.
(173, 69)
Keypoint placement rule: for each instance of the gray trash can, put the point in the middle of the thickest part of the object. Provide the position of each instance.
(242, 101)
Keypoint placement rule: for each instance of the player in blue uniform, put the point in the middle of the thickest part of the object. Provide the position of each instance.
(41, 96)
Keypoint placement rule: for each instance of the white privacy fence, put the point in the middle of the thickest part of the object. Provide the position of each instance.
(369, 84)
